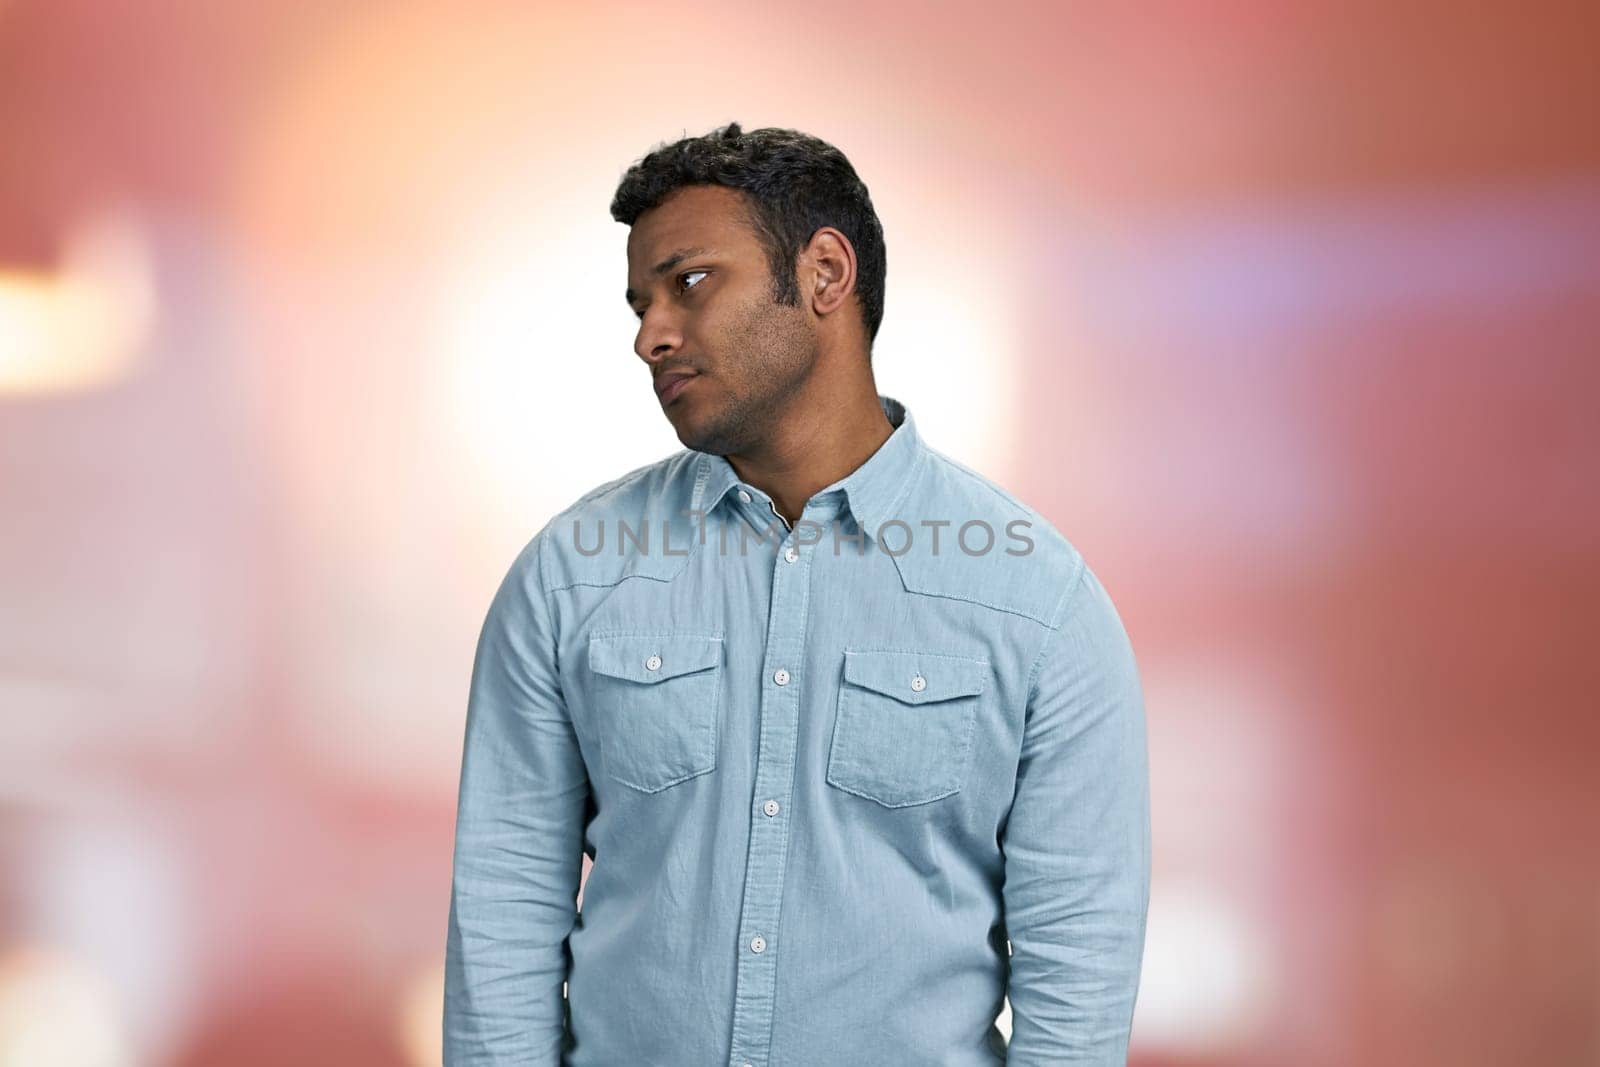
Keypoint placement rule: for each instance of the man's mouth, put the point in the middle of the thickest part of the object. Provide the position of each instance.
(671, 385)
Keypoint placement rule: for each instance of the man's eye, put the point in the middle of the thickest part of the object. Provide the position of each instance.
(686, 274)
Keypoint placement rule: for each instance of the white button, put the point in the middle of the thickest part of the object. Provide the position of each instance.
(781, 677)
(653, 663)
(770, 807)
(790, 554)
(758, 944)
(919, 683)
(744, 496)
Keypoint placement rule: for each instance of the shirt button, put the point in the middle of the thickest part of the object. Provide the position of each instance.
(770, 807)
(790, 554)
(781, 677)
(653, 663)
(919, 683)
(744, 496)
(758, 944)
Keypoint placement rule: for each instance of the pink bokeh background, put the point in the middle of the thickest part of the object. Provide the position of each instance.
(1285, 314)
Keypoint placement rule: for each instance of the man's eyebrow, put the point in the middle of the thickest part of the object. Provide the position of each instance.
(667, 264)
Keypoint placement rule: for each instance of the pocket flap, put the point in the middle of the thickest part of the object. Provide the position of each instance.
(653, 657)
(896, 674)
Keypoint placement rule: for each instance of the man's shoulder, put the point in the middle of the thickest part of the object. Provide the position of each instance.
(638, 493)
(637, 523)
(993, 548)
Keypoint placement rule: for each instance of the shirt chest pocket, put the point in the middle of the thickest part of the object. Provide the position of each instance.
(655, 699)
(903, 730)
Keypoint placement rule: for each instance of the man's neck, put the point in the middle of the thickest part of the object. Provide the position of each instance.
(816, 443)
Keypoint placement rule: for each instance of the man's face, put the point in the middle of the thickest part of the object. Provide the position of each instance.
(710, 312)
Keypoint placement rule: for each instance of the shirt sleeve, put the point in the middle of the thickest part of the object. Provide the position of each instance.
(1077, 843)
(518, 840)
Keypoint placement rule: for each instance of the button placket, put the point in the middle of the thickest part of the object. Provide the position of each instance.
(777, 733)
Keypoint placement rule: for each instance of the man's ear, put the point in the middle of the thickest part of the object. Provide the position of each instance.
(832, 265)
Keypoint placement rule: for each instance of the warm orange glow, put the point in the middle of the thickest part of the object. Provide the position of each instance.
(419, 1020)
(83, 326)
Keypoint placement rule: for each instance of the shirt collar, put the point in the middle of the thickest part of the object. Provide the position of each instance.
(872, 491)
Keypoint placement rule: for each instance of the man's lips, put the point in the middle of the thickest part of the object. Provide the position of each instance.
(670, 385)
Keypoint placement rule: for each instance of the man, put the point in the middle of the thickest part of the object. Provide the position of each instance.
(828, 742)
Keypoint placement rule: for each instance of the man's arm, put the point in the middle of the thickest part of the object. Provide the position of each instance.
(519, 840)
(1077, 843)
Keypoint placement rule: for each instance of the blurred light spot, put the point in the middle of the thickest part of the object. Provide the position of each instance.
(535, 352)
(55, 1012)
(949, 345)
(1205, 984)
(81, 327)
(421, 1018)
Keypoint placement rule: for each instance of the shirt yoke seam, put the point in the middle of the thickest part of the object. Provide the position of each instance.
(1019, 612)
(620, 482)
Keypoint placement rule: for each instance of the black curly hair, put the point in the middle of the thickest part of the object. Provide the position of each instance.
(794, 184)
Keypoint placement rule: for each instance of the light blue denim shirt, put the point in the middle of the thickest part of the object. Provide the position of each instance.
(844, 786)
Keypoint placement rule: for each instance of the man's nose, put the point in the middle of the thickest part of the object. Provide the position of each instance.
(659, 336)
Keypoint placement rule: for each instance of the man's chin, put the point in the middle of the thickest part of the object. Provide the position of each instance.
(696, 433)
(698, 443)
(686, 426)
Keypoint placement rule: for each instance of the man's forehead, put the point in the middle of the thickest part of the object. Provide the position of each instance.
(701, 216)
